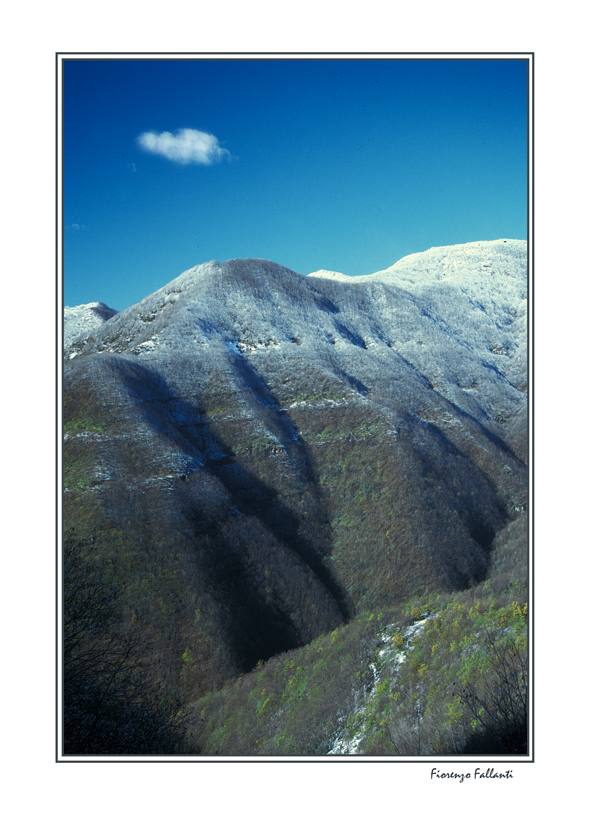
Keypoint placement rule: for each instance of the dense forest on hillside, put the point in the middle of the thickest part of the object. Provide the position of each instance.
(302, 535)
(458, 685)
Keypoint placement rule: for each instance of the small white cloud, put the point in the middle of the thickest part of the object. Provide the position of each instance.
(186, 146)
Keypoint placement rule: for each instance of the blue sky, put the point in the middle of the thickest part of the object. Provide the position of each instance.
(340, 164)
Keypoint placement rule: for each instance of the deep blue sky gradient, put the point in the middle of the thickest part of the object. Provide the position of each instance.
(345, 165)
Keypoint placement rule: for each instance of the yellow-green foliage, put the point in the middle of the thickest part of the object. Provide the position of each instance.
(290, 705)
(81, 423)
(296, 703)
(453, 651)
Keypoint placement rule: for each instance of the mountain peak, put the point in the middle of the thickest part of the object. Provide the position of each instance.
(82, 321)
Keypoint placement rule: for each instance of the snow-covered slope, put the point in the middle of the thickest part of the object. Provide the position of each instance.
(475, 294)
(81, 321)
(455, 316)
(478, 291)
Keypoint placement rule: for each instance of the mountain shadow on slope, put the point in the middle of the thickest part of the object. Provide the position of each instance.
(458, 512)
(273, 587)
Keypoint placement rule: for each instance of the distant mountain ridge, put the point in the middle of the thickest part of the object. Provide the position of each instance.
(81, 321)
(276, 452)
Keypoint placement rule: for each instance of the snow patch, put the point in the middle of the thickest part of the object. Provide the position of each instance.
(391, 660)
(146, 347)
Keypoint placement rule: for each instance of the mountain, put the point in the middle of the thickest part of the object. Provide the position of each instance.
(255, 458)
(81, 321)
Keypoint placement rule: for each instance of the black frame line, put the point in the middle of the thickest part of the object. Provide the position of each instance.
(61, 57)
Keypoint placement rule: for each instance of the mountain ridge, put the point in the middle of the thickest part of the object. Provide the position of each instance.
(449, 332)
(419, 264)
(274, 453)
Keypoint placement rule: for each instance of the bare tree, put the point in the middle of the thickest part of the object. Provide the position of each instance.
(499, 707)
(110, 706)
